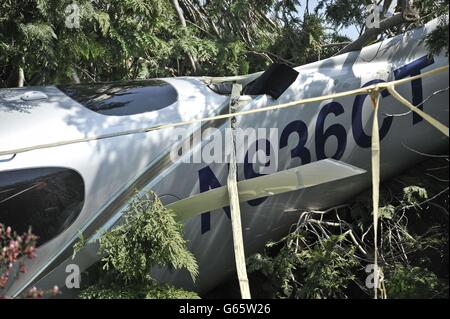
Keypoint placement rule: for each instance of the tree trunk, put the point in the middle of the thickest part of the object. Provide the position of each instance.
(194, 63)
(180, 13)
(21, 77)
(371, 34)
(266, 18)
(75, 77)
(405, 6)
(406, 14)
(17, 76)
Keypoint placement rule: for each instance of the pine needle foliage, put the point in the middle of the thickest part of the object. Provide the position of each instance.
(136, 39)
(327, 253)
(137, 291)
(148, 237)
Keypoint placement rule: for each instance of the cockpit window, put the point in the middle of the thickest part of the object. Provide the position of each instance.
(46, 199)
(123, 98)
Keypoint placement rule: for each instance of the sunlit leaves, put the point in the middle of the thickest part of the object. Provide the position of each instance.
(149, 237)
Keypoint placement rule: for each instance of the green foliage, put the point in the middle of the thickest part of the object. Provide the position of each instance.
(149, 237)
(114, 291)
(79, 244)
(414, 195)
(328, 270)
(431, 9)
(344, 13)
(136, 291)
(438, 40)
(386, 212)
(326, 254)
(321, 271)
(130, 39)
(301, 43)
(411, 283)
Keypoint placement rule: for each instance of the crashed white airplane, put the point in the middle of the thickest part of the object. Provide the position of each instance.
(322, 153)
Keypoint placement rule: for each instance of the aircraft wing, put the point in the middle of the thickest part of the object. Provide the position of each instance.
(297, 178)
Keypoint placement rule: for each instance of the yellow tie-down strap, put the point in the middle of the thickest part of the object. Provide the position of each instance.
(376, 150)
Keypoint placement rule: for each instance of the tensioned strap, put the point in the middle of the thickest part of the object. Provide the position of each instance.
(233, 193)
(376, 149)
(375, 97)
(441, 127)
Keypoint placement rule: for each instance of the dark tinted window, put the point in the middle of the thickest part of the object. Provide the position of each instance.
(46, 199)
(123, 98)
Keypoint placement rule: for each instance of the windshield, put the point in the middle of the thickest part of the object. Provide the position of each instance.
(123, 98)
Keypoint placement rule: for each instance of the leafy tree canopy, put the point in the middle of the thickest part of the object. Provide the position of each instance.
(42, 42)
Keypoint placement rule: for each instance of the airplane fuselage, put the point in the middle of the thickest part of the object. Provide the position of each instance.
(112, 168)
